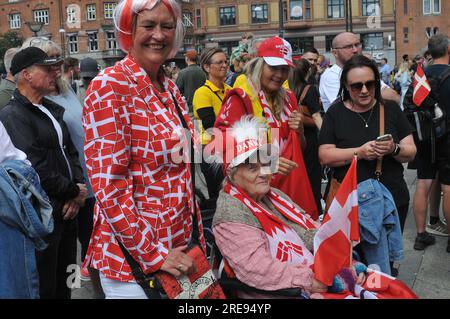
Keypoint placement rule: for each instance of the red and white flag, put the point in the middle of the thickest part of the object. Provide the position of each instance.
(339, 231)
(421, 86)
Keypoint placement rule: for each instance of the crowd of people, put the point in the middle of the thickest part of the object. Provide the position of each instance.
(100, 149)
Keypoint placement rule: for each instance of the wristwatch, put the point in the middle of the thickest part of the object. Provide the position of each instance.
(396, 150)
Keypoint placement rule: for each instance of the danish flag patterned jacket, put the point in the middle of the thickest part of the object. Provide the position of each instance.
(143, 196)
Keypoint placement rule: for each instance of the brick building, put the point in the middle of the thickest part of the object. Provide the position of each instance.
(305, 23)
(417, 20)
(81, 27)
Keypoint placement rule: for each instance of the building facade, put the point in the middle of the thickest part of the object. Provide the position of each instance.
(304, 23)
(82, 28)
(417, 21)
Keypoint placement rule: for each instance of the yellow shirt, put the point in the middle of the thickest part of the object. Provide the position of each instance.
(208, 95)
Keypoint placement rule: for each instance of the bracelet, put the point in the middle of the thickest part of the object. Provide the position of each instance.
(396, 150)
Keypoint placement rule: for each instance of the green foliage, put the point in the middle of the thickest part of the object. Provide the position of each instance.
(8, 40)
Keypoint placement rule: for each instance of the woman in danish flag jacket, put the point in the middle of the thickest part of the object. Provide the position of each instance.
(133, 118)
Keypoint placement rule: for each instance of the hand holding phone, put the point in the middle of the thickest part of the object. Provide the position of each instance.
(385, 137)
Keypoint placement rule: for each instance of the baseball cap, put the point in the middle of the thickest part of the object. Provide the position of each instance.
(276, 51)
(32, 56)
(191, 55)
(88, 68)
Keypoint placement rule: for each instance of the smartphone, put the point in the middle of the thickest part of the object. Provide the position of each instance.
(384, 137)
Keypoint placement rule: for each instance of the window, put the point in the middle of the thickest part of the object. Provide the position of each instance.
(14, 21)
(296, 10)
(198, 14)
(370, 7)
(92, 41)
(329, 42)
(91, 13)
(188, 40)
(228, 46)
(111, 43)
(108, 10)
(71, 14)
(41, 16)
(405, 7)
(285, 11)
(73, 43)
(227, 15)
(372, 41)
(336, 9)
(300, 44)
(187, 19)
(431, 7)
(260, 13)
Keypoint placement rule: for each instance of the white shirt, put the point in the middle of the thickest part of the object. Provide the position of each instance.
(330, 84)
(8, 150)
(59, 132)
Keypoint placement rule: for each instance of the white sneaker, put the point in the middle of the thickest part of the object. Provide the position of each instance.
(438, 229)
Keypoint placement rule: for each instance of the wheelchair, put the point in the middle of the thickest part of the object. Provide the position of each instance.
(231, 286)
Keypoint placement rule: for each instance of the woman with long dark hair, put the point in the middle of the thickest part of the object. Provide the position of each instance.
(308, 98)
(352, 126)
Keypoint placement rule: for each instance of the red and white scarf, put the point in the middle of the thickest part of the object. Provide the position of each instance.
(273, 122)
(285, 244)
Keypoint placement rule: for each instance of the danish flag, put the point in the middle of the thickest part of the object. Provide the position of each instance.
(421, 86)
(339, 231)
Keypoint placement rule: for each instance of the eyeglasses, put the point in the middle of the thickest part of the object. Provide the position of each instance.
(357, 87)
(221, 62)
(350, 46)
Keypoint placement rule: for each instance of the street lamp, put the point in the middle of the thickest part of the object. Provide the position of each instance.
(280, 19)
(62, 32)
(35, 26)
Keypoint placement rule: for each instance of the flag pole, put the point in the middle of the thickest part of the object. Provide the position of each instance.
(355, 156)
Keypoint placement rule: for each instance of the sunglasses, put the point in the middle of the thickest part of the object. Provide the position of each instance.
(357, 87)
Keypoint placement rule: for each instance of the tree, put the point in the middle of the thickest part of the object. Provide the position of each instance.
(10, 39)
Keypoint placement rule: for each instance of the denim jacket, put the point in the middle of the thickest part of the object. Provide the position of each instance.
(25, 219)
(381, 237)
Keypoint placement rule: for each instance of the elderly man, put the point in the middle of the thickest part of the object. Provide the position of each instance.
(7, 85)
(36, 127)
(345, 46)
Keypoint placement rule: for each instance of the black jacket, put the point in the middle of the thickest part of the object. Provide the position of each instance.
(32, 131)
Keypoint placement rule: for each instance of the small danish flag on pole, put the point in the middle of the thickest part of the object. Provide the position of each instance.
(421, 86)
(339, 232)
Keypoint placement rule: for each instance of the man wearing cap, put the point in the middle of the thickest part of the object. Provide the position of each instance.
(36, 127)
(190, 78)
(88, 70)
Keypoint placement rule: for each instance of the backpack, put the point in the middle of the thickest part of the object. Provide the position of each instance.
(425, 119)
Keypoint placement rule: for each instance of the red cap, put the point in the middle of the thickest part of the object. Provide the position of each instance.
(276, 51)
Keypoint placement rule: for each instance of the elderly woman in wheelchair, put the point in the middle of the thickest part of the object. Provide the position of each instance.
(265, 239)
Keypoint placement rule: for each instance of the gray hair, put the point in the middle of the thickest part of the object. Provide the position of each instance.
(9, 54)
(438, 45)
(18, 75)
(48, 47)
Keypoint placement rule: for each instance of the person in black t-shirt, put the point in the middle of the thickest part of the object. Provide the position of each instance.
(427, 171)
(299, 81)
(351, 125)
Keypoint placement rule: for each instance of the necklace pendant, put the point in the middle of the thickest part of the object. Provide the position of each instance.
(367, 125)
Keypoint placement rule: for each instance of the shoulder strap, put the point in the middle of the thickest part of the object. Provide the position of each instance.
(304, 92)
(380, 160)
(213, 92)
